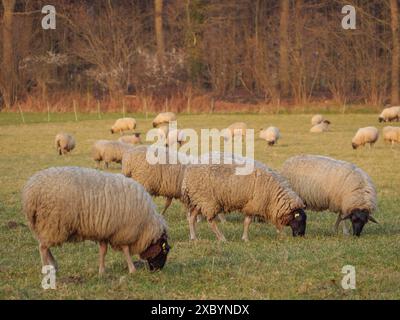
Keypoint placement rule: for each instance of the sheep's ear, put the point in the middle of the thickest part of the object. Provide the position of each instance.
(371, 218)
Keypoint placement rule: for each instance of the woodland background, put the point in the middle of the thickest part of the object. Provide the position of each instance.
(198, 55)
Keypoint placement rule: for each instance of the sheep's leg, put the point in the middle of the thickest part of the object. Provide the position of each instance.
(246, 224)
(46, 256)
(192, 223)
(221, 217)
(102, 255)
(105, 165)
(214, 227)
(338, 220)
(167, 204)
(346, 231)
(128, 259)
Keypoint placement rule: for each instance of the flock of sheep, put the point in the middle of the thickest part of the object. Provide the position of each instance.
(64, 204)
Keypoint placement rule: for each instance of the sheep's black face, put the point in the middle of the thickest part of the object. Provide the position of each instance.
(298, 223)
(158, 262)
(271, 143)
(354, 146)
(380, 119)
(358, 219)
(112, 131)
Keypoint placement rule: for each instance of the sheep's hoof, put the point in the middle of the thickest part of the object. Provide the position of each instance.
(245, 239)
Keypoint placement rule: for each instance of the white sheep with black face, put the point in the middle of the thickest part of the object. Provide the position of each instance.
(163, 118)
(109, 151)
(64, 143)
(271, 135)
(123, 124)
(328, 184)
(363, 136)
(69, 204)
(390, 114)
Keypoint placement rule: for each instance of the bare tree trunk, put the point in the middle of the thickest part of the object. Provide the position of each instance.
(284, 49)
(395, 51)
(158, 5)
(7, 77)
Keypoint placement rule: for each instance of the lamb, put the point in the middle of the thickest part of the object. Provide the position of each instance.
(390, 114)
(367, 135)
(215, 188)
(109, 151)
(163, 118)
(329, 184)
(158, 179)
(271, 135)
(321, 127)
(68, 204)
(317, 119)
(237, 128)
(123, 124)
(64, 142)
(131, 139)
(391, 134)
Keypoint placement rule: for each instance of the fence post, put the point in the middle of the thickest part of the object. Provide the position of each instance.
(98, 109)
(212, 106)
(21, 113)
(188, 105)
(48, 112)
(123, 107)
(74, 105)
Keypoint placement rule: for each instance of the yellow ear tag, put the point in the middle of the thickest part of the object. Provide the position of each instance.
(296, 214)
(163, 246)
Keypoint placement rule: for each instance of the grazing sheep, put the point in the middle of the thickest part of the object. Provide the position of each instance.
(271, 135)
(365, 135)
(338, 186)
(131, 139)
(391, 134)
(215, 188)
(163, 118)
(237, 128)
(317, 119)
(321, 127)
(64, 143)
(123, 124)
(390, 114)
(158, 179)
(109, 151)
(171, 137)
(69, 204)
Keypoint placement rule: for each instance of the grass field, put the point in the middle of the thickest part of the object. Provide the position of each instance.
(267, 267)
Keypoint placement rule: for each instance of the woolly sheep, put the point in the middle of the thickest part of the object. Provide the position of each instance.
(321, 127)
(271, 135)
(365, 135)
(237, 128)
(131, 139)
(390, 114)
(68, 204)
(109, 151)
(215, 188)
(391, 134)
(338, 186)
(317, 119)
(123, 124)
(64, 143)
(163, 118)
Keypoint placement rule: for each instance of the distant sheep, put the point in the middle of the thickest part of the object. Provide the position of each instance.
(321, 127)
(163, 118)
(171, 137)
(131, 139)
(317, 119)
(390, 114)
(70, 204)
(216, 188)
(237, 128)
(367, 135)
(65, 143)
(123, 124)
(271, 135)
(391, 134)
(109, 151)
(328, 184)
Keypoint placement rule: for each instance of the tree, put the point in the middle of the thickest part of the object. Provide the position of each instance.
(8, 76)
(395, 51)
(158, 20)
(284, 48)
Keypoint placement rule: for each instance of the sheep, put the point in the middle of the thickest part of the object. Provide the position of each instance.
(391, 134)
(123, 124)
(215, 188)
(131, 139)
(109, 151)
(317, 119)
(64, 142)
(365, 135)
(321, 127)
(271, 135)
(237, 128)
(163, 118)
(390, 114)
(328, 184)
(68, 204)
